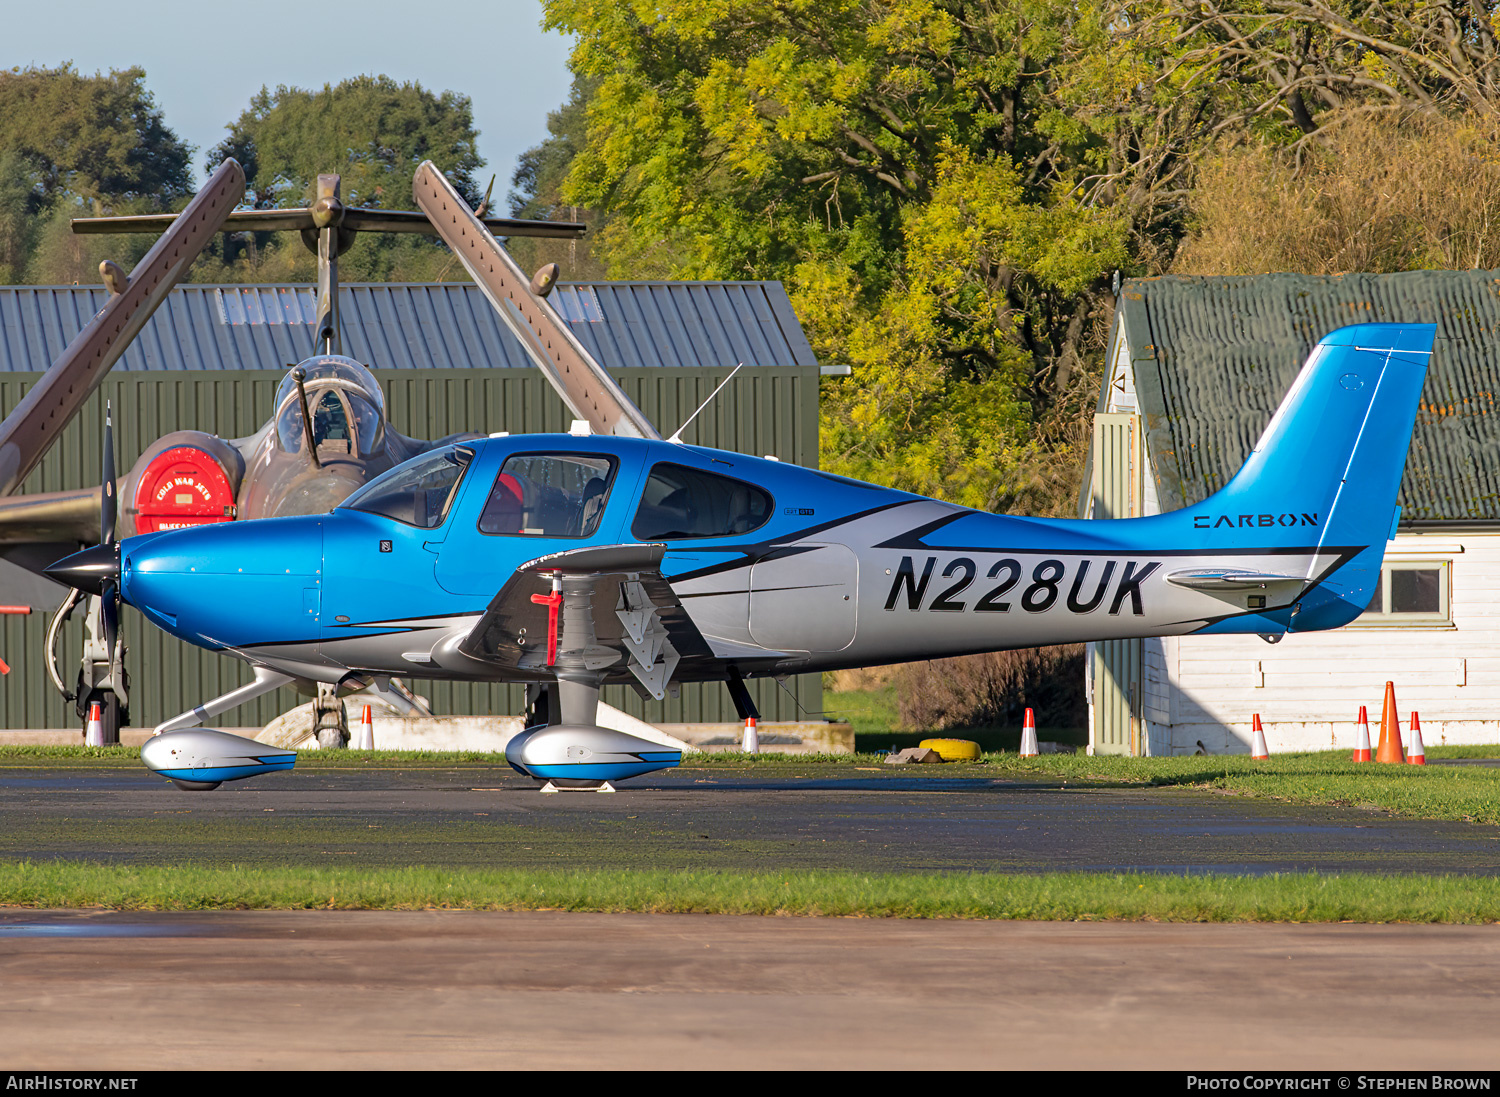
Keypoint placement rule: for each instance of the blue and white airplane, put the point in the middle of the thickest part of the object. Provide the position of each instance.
(573, 561)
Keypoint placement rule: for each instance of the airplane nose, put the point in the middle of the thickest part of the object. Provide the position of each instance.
(90, 569)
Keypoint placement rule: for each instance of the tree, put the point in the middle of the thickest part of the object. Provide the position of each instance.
(374, 133)
(19, 205)
(1375, 194)
(918, 174)
(70, 145)
(1288, 68)
(97, 138)
(370, 129)
(538, 182)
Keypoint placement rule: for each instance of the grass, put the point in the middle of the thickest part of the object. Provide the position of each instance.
(1053, 897)
(1469, 793)
(1462, 793)
(873, 713)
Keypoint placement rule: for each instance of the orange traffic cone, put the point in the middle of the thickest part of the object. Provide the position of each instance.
(93, 734)
(1390, 730)
(1029, 747)
(365, 740)
(1416, 756)
(751, 742)
(1362, 743)
(1258, 749)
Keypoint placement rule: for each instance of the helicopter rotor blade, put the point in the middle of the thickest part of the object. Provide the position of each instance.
(32, 427)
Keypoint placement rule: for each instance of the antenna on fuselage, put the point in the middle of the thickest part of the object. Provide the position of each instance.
(677, 435)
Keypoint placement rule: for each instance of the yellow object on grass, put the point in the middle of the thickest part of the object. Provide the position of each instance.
(953, 750)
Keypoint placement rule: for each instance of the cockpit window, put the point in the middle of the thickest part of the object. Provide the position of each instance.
(548, 495)
(330, 420)
(344, 401)
(686, 502)
(418, 492)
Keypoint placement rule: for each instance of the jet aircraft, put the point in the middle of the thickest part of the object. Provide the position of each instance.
(571, 561)
(328, 433)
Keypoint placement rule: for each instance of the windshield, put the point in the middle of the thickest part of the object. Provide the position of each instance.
(419, 492)
(344, 401)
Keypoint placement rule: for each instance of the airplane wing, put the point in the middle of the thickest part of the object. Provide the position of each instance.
(639, 624)
(355, 217)
(31, 428)
(584, 385)
(63, 516)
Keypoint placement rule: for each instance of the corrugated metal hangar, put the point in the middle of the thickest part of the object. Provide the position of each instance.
(1196, 368)
(211, 358)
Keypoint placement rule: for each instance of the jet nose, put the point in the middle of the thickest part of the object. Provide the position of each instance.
(90, 569)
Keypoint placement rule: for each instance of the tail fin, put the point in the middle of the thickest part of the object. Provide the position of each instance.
(1327, 468)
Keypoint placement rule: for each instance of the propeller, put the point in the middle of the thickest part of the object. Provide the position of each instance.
(109, 595)
(96, 570)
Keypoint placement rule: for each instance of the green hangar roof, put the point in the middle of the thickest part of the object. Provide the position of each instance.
(1212, 358)
(415, 326)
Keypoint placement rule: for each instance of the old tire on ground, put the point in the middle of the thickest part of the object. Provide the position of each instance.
(953, 750)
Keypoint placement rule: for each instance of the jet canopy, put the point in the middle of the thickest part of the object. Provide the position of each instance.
(345, 405)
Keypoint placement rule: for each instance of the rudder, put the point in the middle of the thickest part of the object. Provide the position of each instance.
(1330, 461)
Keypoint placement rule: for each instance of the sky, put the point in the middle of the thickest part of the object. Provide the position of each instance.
(204, 61)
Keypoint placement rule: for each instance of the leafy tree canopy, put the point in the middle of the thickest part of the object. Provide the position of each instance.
(1285, 69)
(538, 183)
(371, 130)
(913, 170)
(93, 137)
(946, 186)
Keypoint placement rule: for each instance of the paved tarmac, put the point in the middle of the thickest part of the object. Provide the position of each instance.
(432, 990)
(482, 816)
(421, 990)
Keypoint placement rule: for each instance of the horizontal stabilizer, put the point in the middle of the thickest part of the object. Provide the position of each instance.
(1224, 580)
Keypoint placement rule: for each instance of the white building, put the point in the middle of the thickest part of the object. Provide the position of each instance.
(1195, 369)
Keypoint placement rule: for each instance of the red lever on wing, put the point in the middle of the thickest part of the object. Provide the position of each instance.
(552, 602)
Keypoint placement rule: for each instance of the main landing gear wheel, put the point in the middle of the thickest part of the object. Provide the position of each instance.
(330, 721)
(572, 784)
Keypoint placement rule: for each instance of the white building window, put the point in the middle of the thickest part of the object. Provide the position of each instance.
(1411, 592)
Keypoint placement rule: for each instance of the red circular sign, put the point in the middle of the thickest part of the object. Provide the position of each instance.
(183, 486)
